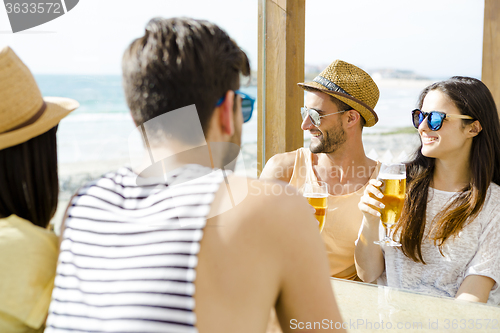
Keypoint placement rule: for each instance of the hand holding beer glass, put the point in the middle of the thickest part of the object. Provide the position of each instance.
(317, 195)
(393, 178)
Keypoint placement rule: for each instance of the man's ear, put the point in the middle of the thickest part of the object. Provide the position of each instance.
(226, 114)
(353, 117)
(475, 128)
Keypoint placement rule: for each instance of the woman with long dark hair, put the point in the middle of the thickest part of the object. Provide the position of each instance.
(29, 191)
(450, 224)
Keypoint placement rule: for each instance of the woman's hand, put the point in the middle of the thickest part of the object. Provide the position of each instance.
(370, 203)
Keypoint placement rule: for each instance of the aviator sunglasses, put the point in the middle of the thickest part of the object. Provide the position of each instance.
(247, 103)
(434, 118)
(314, 115)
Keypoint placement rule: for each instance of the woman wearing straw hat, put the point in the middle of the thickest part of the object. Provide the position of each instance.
(28, 195)
(450, 224)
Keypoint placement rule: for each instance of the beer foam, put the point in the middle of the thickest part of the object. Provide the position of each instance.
(316, 195)
(390, 176)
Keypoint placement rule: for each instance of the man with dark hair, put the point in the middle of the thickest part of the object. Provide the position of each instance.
(339, 103)
(176, 244)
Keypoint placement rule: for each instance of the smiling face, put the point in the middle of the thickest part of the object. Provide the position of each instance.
(452, 139)
(330, 135)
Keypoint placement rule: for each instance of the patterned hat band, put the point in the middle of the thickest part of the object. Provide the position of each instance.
(329, 85)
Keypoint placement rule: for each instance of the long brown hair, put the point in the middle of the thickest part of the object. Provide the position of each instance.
(29, 185)
(474, 99)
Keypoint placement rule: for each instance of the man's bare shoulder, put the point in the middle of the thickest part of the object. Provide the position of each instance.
(268, 241)
(280, 167)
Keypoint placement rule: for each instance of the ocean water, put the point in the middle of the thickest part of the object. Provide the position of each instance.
(100, 128)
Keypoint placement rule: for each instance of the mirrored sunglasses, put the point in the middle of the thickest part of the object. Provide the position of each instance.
(247, 103)
(314, 115)
(434, 118)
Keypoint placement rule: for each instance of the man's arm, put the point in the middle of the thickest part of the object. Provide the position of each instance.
(279, 167)
(267, 250)
(305, 294)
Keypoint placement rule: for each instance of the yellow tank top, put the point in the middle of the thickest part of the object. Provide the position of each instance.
(343, 219)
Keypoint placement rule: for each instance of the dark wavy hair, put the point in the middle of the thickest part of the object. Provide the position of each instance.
(472, 98)
(28, 177)
(180, 62)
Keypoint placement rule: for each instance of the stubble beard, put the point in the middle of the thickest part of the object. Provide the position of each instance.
(332, 140)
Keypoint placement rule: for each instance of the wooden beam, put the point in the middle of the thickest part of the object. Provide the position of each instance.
(281, 67)
(491, 49)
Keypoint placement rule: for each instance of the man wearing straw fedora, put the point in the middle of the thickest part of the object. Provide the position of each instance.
(339, 103)
(174, 244)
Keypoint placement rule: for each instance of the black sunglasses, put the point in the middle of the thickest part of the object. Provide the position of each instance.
(434, 118)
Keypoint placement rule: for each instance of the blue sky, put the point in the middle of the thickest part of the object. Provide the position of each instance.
(436, 38)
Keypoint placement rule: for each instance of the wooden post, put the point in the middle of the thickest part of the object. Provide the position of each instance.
(491, 49)
(281, 67)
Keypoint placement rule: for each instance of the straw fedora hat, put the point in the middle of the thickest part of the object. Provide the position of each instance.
(351, 85)
(24, 113)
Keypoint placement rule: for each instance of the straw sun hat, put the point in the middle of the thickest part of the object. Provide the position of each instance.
(24, 113)
(351, 85)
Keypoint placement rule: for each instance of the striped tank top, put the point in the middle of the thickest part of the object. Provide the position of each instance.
(129, 253)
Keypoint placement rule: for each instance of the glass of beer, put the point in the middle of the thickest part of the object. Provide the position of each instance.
(393, 178)
(316, 194)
